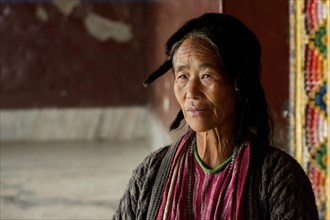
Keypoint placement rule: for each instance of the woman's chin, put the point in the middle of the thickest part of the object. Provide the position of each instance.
(200, 127)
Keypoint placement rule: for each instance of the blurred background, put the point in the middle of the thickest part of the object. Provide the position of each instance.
(75, 119)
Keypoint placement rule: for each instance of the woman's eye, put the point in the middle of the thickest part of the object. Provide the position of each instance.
(182, 76)
(205, 76)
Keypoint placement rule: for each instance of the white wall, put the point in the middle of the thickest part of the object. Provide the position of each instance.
(120, 123)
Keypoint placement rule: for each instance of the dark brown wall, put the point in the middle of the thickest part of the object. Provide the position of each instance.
(270, 21)
(58, 63)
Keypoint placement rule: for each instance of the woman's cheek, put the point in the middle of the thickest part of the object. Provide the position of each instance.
(178, 94)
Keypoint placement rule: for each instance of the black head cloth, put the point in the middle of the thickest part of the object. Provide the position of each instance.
(221, 27)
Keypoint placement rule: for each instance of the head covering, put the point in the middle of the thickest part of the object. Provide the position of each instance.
(235, 42)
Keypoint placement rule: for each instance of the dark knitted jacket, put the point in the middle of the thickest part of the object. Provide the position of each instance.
(277, 186)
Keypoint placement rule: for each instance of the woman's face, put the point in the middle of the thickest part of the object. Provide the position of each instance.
(207, 98)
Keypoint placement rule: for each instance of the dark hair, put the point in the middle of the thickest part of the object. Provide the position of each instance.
(239, 52)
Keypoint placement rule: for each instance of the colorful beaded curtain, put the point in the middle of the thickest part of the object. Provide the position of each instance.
(309, 94)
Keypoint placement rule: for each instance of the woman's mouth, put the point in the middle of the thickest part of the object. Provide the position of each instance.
(193, 111)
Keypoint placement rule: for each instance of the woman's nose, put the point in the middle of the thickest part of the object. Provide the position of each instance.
(193, 89)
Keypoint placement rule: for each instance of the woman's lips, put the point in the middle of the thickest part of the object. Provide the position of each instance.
(195, 111)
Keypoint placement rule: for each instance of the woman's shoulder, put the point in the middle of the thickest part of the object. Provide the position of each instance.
(163, 153)
(285, 189)
(153, 160)
(154, 157)
(278, 166)
(280, 172)
(272, 157)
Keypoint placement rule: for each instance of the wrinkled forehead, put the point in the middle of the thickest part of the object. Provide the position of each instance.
(197, 50)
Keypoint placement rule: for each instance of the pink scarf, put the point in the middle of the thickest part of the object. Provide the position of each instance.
(214, 196)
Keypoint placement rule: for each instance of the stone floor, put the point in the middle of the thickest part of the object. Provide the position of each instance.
(65, 181)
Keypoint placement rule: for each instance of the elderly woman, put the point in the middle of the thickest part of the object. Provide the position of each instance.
(223, 167)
